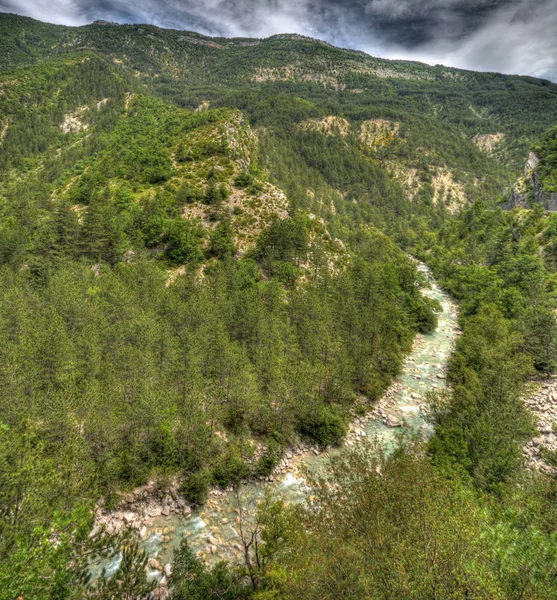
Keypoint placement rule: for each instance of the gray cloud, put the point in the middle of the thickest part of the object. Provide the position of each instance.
(517, 38)
(511, 36)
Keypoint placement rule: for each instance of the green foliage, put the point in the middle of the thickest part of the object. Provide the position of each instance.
(191, 580)
(491, 262)
(130, 578)
(546, 149)
(183, 242)
(187, 194)
(549, 456)
(230, 469)
(424, 314)
(485, 424)
(244, 179)
(206, 149)
(268, 461)
(195, 487)
(540, 337)
(222, 241)
(112, 373)
(326, 427)
(382, 528)
(283, 246)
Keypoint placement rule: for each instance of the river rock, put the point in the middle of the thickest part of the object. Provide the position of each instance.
(154, 564)
(128, 517)
(161, 593)
(393, 421)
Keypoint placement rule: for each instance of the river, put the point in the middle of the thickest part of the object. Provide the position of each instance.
(212, 530)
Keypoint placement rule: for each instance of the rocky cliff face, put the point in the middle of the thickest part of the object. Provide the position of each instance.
(529, 189)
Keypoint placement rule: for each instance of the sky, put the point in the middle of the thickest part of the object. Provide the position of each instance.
(508, 36)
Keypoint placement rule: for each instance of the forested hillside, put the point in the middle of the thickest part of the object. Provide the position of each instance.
(546, 149)
(204, 261)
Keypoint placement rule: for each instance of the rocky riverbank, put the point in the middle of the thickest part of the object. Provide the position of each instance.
(134, 509)
(143, 507)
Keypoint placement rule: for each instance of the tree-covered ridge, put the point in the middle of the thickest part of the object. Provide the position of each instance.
(127, 172)
(41, 104)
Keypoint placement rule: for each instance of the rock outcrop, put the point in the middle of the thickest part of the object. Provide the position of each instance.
(136, 508)
(488, 142)
(529, 189)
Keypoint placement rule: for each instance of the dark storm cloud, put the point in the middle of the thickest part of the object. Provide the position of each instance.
(517, 36)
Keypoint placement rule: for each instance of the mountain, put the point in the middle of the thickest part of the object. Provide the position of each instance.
(190, 68)
(204, 262)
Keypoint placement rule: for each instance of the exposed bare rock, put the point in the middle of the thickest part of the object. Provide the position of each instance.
(530, 185)
(73, 122)
(532, 163)
(3, 131)
(136, 508)
(378, 132)
(203, 106)
(488, 142)
(329, 125)
(154, 564)
(447, 190)
(542, 401)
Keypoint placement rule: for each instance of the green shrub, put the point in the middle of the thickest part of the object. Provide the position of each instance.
(243, 179)
(153, 230)
(424, 312)
(184, 240)
(195, 487)
(549, 456)
(230, 469)
(187, 194)
(326, 426)
(268, 461)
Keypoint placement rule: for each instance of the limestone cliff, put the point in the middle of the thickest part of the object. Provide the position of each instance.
(529, 189)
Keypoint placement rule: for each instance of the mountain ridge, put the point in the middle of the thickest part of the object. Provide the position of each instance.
(188, 68)
(230, 42)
